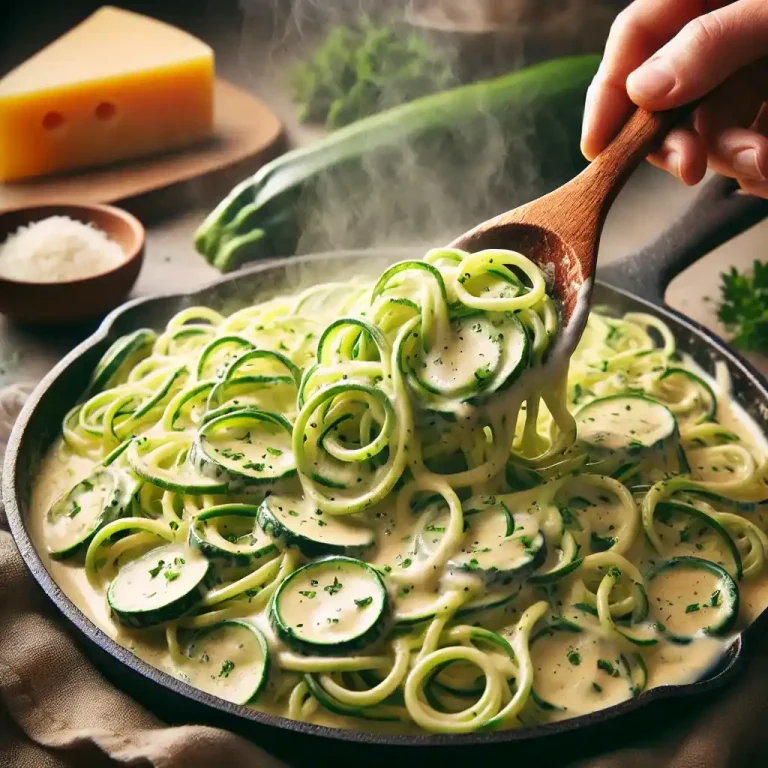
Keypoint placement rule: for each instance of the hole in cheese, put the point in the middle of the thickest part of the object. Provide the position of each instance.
(53, 120)
(105, 110)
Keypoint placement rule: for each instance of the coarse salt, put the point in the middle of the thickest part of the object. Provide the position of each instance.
(58, 249)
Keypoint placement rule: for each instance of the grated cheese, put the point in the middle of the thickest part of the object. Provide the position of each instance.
(58, 249)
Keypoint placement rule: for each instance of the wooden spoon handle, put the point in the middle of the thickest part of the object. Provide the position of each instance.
(641, 134)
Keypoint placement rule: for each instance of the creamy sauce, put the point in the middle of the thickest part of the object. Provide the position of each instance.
(491, 561)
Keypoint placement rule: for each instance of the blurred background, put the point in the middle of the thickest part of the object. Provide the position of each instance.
(294, 56)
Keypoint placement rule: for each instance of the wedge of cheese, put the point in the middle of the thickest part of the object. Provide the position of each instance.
(119, 85)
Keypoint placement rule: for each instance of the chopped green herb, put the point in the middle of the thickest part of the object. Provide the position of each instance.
(274, 451)
(744, 306)
(308, 593)
(226, 668)
(692, 608)
(332, 589)
(574, 657)
(606, 666)
(159, 567)
(363, 602)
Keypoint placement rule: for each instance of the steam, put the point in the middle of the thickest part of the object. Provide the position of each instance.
(427, 192)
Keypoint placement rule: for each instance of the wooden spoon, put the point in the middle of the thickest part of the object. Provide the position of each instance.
(560, 232)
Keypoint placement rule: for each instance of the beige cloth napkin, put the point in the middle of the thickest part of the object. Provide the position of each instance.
(57, 711)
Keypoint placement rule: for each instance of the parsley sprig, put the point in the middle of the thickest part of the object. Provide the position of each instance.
(744, 307)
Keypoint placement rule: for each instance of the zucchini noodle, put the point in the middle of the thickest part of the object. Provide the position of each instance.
(363, 505)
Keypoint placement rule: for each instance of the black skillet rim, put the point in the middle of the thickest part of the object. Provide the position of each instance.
(727, 668)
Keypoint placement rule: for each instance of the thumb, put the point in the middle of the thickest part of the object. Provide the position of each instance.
(702, 55)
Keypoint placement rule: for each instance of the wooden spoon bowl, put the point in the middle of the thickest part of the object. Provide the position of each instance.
(560, 232)
(73, 301)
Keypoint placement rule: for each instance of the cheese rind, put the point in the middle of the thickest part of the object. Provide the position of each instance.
(119, 85)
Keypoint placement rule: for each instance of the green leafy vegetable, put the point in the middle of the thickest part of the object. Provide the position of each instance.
(744, 307)
(361, 70)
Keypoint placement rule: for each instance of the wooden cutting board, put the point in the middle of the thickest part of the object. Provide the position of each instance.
(247, 134)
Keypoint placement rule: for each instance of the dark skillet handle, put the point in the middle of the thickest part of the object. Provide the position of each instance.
(718, 213)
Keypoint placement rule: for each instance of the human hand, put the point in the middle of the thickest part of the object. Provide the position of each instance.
(664, 53)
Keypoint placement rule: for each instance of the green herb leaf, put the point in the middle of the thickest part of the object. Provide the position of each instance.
(744, 307)
(226, 668)
(360, 70)
(606, 666)
(332, 589)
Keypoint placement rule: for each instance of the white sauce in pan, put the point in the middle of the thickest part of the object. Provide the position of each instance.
(523, 586)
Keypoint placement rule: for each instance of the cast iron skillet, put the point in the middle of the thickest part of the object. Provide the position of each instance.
(636, 283)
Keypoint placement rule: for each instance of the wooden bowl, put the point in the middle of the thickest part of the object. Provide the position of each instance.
(85, 298)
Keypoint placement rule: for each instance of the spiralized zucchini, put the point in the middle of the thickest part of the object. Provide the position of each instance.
(422, 530)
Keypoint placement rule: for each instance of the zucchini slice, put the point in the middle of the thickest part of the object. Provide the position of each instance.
(704, 598)
(495, 597)
(665, 512)
(119, 359)
(626, 423)
(230, 660)
(294, 522)
(229, 532)
(496, 544)
(455, 368)
(249, 443)
(574, 660)
(165, 462)
(414, 606)
(159, 586)
(482, 353)
(329, 607)
(76, 516)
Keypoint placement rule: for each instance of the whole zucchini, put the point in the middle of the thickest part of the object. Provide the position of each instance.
(423, 171)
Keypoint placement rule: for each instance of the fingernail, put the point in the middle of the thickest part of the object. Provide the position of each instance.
(745, 164)
(653, 80)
